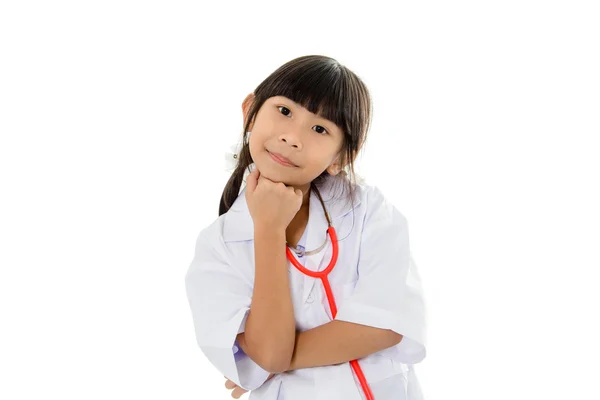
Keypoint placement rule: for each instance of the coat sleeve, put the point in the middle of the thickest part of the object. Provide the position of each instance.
(388, 293)
(220, 300)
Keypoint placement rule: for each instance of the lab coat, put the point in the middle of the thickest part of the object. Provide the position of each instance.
(375, 282)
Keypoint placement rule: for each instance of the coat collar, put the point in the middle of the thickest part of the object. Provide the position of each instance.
(239, 226)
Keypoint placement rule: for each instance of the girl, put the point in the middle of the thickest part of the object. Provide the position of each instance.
(261, 314)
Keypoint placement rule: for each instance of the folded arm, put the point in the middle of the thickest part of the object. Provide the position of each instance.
(338, 342)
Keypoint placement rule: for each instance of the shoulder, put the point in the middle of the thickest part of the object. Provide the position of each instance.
(210, 238)
(372, 195)
(377, 206)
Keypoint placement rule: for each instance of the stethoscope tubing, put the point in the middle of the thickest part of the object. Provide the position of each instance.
(330, 298)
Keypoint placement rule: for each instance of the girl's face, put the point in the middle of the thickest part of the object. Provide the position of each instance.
(310, 142)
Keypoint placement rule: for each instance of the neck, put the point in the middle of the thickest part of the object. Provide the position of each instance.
(306, 197)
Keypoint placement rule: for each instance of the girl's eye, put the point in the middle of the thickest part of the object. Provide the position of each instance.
(323, 130)
(284, 109)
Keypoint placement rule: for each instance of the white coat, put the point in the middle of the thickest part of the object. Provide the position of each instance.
(375, 282)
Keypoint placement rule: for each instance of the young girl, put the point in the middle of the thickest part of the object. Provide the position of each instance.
(262, 316)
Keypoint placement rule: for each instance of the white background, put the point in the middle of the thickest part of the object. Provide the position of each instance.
(114, 120)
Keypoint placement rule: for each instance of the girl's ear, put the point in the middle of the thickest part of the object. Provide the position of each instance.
(246, 107)
(335, 167)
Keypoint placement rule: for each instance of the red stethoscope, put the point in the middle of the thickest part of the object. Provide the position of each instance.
(323, 276)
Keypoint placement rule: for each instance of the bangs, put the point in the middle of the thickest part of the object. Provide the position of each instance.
(323, 88)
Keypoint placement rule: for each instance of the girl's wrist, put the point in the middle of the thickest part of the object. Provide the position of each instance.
(262, 229)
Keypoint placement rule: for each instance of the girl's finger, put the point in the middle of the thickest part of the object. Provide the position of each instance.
(251, 181)
(229, 384)
(238, 392)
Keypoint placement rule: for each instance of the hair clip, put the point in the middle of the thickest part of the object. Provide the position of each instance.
(231, 156)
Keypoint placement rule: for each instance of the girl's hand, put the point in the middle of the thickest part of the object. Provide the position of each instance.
(272, 205)
(238, 391)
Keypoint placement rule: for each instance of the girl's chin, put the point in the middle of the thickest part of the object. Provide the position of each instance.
(274, 176)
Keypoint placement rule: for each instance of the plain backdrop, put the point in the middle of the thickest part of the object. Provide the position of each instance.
(115, 117)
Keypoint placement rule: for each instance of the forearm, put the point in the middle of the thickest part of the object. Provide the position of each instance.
(270, 327)
(337, 342)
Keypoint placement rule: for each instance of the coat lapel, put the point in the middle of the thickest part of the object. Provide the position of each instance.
(238, 225)
(315, 236)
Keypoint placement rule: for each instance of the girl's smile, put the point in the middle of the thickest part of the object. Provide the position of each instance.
(280, 160)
